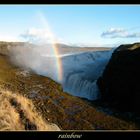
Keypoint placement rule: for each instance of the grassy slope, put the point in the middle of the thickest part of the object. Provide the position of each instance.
(18, 113)
(68, 112)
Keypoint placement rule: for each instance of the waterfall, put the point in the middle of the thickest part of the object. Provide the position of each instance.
(81, 71)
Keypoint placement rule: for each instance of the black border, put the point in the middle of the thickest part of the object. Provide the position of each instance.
(69, 2)
(51, 135)
(54, 135)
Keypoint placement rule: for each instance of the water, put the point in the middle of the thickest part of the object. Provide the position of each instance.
(81, 71)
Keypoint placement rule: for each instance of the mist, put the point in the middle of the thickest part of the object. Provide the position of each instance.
(31, 58)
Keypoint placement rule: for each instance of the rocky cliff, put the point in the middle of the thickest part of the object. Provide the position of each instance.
(120, 81)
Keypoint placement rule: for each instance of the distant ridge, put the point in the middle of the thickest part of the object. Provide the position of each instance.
(62, 48)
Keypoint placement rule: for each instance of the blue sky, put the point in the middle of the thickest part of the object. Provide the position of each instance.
(78, 24)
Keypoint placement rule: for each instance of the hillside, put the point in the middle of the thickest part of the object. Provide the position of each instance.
(19, 113)
(119, 84)
(28, 91)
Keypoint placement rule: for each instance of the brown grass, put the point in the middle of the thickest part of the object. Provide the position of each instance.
(16, 111)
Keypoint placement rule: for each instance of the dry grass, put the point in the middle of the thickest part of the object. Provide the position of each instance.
(19, 113)
(9, 118)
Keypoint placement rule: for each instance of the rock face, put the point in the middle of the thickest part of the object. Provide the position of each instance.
(120, 82)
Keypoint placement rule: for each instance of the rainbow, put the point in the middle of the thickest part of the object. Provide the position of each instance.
(58, 62)
(55, 51)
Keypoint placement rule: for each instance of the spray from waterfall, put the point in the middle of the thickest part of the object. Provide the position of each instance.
(32, 56)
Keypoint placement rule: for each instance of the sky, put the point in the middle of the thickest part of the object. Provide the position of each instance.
(95, 25)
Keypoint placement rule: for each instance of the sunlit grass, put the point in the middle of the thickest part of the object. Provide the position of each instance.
(11, 107)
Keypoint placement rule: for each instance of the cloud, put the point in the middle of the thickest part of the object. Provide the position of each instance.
(113, 31)
(37, 35)
(119, 33)
(41, 36)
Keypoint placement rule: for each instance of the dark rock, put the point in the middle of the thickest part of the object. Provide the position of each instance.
(120, 81)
